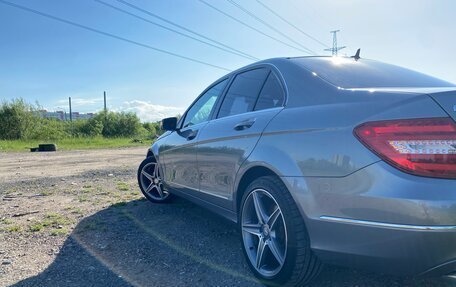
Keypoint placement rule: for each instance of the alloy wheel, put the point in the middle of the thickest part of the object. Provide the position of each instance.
(264, 232)
(151, 182)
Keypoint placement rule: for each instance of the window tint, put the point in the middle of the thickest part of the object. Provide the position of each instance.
(243, 93)
(271, 95)
(201, 110)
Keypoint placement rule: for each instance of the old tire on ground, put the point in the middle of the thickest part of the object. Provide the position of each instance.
(272, 227)
(47, 147)
(150, 183)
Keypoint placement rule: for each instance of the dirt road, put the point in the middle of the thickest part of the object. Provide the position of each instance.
(41, 165)
(77, 219)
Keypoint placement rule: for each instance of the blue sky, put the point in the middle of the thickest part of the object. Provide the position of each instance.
(47, 61)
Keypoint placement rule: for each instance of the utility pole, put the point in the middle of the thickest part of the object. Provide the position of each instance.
(104, 96)
(71, 114)
(335, 48)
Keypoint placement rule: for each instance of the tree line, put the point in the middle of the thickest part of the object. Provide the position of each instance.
(20, 120)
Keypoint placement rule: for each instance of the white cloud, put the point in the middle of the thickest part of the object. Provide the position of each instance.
(148, 112)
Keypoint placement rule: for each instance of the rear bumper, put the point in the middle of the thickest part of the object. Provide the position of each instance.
(380, 219)
(386, 248)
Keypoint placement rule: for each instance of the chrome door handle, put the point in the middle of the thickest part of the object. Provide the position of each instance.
(244, 125)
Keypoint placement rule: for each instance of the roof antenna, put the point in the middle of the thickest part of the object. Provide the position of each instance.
(356, 56)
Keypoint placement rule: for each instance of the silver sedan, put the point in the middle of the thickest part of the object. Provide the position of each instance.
(320, 160)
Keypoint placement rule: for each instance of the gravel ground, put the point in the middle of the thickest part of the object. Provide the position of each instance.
(77, 219)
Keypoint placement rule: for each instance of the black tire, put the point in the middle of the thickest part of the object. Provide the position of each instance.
(47, 147)
(300, 264)
(153, 195)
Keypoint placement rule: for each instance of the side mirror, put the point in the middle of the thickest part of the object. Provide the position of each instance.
(169, 124)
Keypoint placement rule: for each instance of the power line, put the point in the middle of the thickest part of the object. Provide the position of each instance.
(309, 51)
(249, 26)
(184, 28)
(269, 26)
(291, 24)
(110, 35)
(173, 30)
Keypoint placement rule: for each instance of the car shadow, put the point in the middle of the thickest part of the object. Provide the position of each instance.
(177, 244)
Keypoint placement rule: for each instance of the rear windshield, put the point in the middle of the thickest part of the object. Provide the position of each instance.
(347, 73)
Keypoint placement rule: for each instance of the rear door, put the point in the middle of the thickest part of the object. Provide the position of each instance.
(252, 100)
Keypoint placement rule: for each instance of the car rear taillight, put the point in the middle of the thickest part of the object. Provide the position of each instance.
(425, 147)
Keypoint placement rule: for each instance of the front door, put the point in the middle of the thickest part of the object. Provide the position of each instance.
(178, 154)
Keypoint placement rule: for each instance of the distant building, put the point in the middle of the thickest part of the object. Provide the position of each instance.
(82, 116)
(63, 116)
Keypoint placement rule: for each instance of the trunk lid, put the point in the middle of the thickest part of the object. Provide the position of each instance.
(447, 100)
(444, 97)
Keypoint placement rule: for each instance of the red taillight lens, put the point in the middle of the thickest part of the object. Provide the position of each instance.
(425, 147)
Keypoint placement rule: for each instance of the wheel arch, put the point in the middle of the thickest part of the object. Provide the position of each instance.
(251, 173)
(153, 151)
(150, 153)
(255, 169)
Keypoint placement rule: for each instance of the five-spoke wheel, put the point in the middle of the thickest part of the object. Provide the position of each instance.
(150, 182)
(274, 237)
(264, 232)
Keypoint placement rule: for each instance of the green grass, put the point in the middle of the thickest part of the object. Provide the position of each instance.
(55, 219)
(87, 189)
(77, 210)
(123, 186)
(51, 220)
(46, 192)
(58, 232)
(70, 143)
(6, 221)
(36, 227)
(14, 228)
(83, 198)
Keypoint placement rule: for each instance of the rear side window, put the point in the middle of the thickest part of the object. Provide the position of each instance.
(271, 95)
(243, 92)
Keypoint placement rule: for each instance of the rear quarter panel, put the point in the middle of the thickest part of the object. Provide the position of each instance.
(317, 141)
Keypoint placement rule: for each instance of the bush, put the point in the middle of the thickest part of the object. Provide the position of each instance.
(119, 124)
(17, 119)
(47, 129)
(87, 128)
(152, 129)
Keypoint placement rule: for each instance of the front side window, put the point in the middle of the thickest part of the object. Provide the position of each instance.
(243, 92)
(201, 110)
(271, 95)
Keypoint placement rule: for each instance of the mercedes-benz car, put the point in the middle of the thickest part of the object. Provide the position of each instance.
(338, 160)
